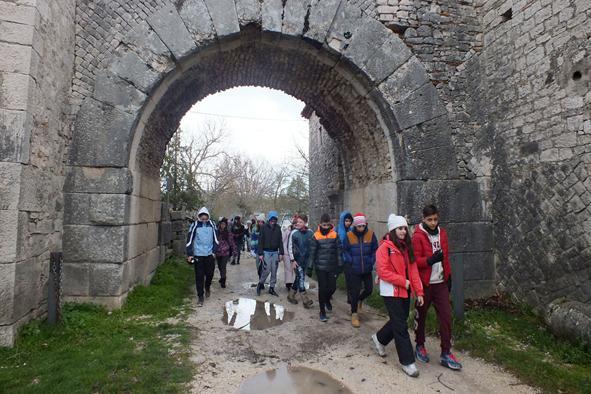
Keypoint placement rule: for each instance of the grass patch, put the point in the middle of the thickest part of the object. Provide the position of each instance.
(512, 337)
(92, 350)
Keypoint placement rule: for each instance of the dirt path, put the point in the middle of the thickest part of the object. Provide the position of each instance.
(225, 357)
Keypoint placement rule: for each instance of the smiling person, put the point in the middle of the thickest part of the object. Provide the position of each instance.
(359, 250)
(430, 245)
(270, 252)
(224, 250)
(299, 252)
(201, 247)
(399, 279)
(345, 225)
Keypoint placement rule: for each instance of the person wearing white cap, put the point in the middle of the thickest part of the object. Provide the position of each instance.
(399, 279)
(201, 247)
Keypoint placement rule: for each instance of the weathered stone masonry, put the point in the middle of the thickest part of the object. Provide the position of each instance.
(479, 106)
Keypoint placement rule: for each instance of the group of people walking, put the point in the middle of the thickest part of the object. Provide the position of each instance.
(405, 266)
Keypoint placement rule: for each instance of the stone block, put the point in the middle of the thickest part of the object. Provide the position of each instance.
(30, 285)
(143, 210)
(420, 106)
(7, 277)
(387, 58)
(15, 135)
(8, 235)
(319, 20)
(169, 26)
(179, 248)
(457, 200)
(153, 260)
(95, 243)
(18, 33)
(130, 67)
(369, 35)
(409, 77)
(98, 180)
(196, 17)
(475, 289)
(19, 13)
(76, 208)
(248, 11)
(223, 14)
(272, 15)
(142, 237)
(106, 279)
(109, 209)
(102, 136)
(75, 279)
(165, 233)
(469, 237)
(112, 90)
(17, 58)
(10, 179)
(15, 91)
(39, 191)
(344, 26)
(570, 319)
(7, 335)
(478, 266)
(294, 16)
(144, 40)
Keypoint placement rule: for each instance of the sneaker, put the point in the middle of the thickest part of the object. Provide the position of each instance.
(259, 288)
(450, 361)
(355, 320)
(381, 349)
(323, 317)
(421, 353)
(207, 293)
(273, 292)
(328, 306)
(411, 370)
(200, 301)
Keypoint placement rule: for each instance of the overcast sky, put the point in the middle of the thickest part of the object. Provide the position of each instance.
(261, 122)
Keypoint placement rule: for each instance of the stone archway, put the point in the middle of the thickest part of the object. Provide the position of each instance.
(372, 95)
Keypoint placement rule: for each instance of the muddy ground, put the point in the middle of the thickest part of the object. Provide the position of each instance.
(226, 357)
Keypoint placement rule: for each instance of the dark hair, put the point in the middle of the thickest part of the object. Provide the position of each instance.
(430, 210)
(325, 218)
(304, 218)
(407, 244)
(348, 216)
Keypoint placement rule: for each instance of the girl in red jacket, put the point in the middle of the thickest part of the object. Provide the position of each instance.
(399, 279)
(429, 242)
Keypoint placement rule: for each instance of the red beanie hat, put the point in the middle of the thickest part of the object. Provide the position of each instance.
(359, 219)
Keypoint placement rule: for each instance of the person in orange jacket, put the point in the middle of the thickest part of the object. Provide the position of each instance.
(399, 279)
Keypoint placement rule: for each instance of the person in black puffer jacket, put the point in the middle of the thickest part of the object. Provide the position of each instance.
(325, 258)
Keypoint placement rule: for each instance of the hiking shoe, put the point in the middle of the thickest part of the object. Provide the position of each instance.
(273, 292)
(306, 301)
(381, 349)
(323, 317)
(328, 306)
(291, 297)
(259, 288)
(207, 293)
(421, 353)
(355, 320)
(450, 361)
(411, 370)
(200, 302)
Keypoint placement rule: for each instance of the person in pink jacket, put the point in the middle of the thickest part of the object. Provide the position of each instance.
(399, 280)
(286, 228)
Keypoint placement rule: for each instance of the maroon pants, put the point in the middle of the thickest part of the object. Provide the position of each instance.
(438, 295)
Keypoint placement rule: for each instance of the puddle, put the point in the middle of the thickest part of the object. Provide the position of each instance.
(248, 314)
(293, 380)
(250, 285)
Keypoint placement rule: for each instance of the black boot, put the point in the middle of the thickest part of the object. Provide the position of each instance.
(223, 283)
(272, 292)
(259, 288)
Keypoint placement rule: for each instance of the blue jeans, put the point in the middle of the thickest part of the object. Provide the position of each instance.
(299, 285)
(270, 266)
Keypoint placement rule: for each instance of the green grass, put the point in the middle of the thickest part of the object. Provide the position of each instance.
(517, 340)
(130, 350)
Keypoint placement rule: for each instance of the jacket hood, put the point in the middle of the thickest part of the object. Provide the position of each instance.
(272, 214)
(203, 210)
(341, 230)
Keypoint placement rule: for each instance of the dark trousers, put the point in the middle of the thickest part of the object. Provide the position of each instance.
(438, 295)
(222, 262)
(355, 283)
(327, 285)
(347, 273)
(204, 268)
(397, 329)
(238, 250)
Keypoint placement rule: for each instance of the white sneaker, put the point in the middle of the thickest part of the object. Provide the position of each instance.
(411, 370)
(379, 347)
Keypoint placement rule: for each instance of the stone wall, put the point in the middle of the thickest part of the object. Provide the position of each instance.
(36, 43)
(537, 63)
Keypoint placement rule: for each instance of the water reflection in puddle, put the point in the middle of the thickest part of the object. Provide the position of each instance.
(248, 314)
(293, 380)
(250, 285)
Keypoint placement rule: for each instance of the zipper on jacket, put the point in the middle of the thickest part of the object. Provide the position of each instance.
(362, 264)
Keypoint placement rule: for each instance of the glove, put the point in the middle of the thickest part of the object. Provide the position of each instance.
(449, 285)
(435, 258)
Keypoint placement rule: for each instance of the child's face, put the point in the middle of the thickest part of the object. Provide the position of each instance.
(299, 224)
(203, 218)
(348, 223)
(401, 232)
(431, 221)
(325, 225)
(222, 225)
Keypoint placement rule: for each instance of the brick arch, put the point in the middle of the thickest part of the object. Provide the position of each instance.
(373, 96)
